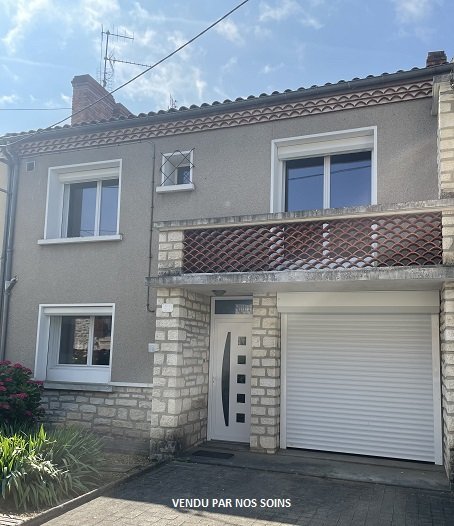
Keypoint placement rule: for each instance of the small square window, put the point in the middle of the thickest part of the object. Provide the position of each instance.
(241, 340)
(241, 398)
(240, 378)
(176, 168)
(240, 418)
(241, 359)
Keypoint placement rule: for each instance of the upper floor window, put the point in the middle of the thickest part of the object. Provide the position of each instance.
(332, 181)
(83, 202)
(329, 170)
(91, 208)
(176, 171)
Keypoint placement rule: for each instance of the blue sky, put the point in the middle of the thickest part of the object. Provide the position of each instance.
(267, 45)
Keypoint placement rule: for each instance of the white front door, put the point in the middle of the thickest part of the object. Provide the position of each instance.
(230, 385)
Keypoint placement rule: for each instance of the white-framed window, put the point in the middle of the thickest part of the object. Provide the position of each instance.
(83, 203)
(326, 170)
(74, 343)
(177, 171)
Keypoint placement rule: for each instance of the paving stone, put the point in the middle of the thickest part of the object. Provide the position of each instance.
(147, 500)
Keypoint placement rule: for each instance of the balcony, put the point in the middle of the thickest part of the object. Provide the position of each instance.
(380, 241)
(393, 242)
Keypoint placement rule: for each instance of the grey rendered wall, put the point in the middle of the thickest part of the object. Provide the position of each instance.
(232, 177)
(232, 165)
(87, 272)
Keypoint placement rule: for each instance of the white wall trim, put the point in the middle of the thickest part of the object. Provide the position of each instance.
(58, 176)
(71, 240)
(319, 144)
(356, 302)
(175, 188)
(438, 426)
(283, 415)
(43, 351)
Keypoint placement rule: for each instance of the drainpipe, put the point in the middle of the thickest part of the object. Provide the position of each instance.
(7, 282)
(150, 239)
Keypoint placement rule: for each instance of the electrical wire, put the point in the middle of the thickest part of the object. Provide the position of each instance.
(187, 43)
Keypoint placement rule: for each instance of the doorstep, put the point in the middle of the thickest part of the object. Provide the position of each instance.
(358, 468)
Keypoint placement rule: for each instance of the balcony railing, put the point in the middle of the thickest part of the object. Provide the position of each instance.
(399, 240)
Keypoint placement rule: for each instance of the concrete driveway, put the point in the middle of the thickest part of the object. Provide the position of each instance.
(231, 495)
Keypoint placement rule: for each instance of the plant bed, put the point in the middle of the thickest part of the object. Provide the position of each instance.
(115, 468)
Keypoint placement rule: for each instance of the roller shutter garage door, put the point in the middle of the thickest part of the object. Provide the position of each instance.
(360, 383)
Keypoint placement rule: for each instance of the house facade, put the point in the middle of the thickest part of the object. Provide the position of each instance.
(275, 270)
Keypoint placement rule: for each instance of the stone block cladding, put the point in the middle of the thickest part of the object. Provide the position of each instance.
(180, 373)
(170, 255)
(122, 417)
(446, 140)
(266, 374)
(447, 375)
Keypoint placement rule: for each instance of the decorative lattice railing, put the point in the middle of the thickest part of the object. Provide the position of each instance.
(412, 239)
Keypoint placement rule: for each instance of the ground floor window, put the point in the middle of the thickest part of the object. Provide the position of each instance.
(75, 343)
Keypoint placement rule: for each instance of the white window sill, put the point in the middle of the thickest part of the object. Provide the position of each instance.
(78, 386)
(175, 188)
(69, 240)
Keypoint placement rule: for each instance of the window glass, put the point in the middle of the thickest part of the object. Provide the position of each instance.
(109, 207)
(233, 307)
(74, 340)
(82, 209)
(350, 179)
(101, 340)
(183, 175)
(304, 184)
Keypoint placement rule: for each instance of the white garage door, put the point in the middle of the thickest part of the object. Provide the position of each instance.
(360, 383)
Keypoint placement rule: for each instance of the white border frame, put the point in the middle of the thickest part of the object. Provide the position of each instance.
(177, 187)
(58, 176)
(436, 373)
(319, 144)
(46, 310)
(213, 318)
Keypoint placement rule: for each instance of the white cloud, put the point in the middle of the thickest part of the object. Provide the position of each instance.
(34, 63)
(229, 65)
(8, 99)
(10, 73)
(92, 13)
(281, 11)
(27, 13)
(268, 68)
(285, 9)
(411, 11)
(229, 30)
(67, 100)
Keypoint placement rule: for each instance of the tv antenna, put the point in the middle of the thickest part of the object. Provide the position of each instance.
(109, 59)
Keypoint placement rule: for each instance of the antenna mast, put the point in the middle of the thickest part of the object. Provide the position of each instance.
(109, 59)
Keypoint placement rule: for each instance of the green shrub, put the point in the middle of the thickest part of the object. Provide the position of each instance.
(41, 469)
(20, 396)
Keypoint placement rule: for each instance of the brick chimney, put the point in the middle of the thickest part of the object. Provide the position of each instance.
(86, 91)
(436, 58)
